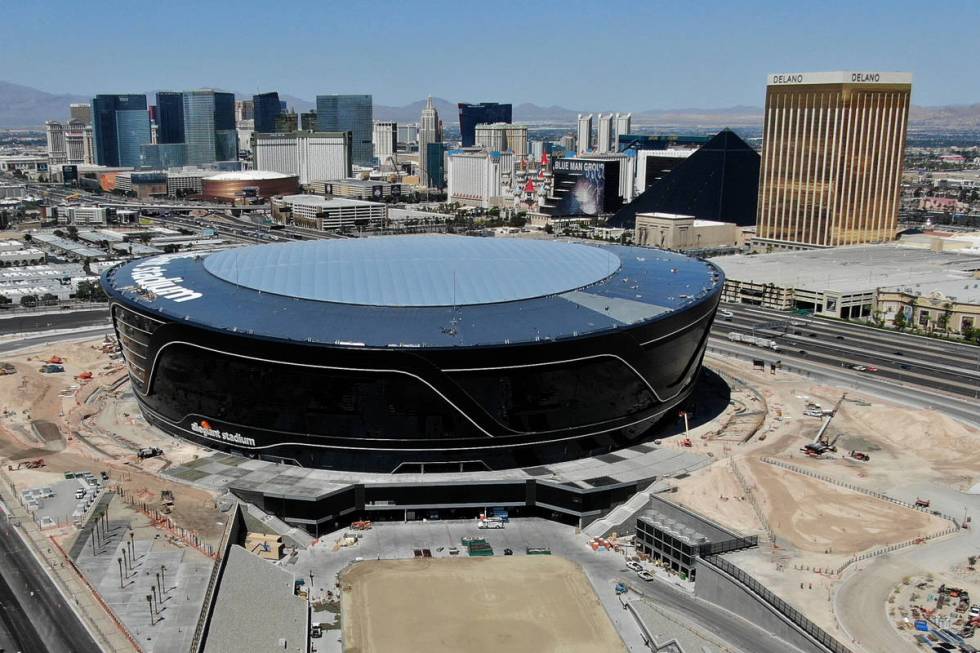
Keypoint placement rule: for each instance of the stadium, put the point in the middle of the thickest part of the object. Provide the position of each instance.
(411, 353)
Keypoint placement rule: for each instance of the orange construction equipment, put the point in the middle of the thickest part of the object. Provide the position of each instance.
(364, 525)
(84, 376)
(55, 360)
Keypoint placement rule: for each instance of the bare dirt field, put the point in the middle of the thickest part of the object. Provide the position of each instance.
(537, 604)
(77, 424)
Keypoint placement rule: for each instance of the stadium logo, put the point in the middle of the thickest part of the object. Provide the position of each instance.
(204, 428)
(151, 275)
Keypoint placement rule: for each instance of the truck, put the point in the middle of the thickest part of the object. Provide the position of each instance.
(747, 339)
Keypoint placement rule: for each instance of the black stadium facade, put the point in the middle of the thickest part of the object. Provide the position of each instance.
(386, 354)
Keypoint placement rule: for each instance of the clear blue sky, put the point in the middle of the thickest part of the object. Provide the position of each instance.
(600, 53)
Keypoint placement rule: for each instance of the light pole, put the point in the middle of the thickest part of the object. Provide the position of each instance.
(119, 560)
(149, 601)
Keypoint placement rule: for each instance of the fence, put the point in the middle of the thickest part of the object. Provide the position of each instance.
(230, 536)
(760, 515)
(727, 546)
(787, 611)
(877, 495)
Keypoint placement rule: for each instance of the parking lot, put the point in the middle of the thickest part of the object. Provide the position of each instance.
(61, 503)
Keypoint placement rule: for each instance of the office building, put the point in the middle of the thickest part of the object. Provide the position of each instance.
(357, 189)
(479, 178)
(583, 139)
(430, 131)
(307, 121)
(287, 122)
(685, 233)
(718, 182)
(57, 149)
(81, 112)
(121, 124)
(567, 143)
(349, 113)
(607, 134)
(75, 142)
(503, 137)
(435, 165)
(385, 136)
(624, 125)
(209, 126)
(170, 117)
(327, 214)
(408, 133)
(833, 148)
(244, 110)
(310, 156)
(163, 156)
(266, 108)
(471, 115)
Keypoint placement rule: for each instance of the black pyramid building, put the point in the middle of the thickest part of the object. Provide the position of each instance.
(718, 182)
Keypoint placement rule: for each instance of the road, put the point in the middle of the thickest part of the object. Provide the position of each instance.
(33, 613)
(11, 323)
(867, 587)
(911, 370)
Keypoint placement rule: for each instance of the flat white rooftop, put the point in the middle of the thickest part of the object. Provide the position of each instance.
(860, 269)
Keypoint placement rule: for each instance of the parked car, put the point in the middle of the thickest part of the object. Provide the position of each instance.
(645, 575)
(635, 566)
(839, 337)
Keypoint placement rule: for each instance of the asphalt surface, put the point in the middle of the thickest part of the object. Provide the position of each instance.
(927, 367)
(11, 323)
(74, 334)
(34, 616)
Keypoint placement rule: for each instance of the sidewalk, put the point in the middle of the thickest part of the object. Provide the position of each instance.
(100, 623)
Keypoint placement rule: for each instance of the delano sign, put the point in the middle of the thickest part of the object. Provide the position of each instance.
(840, 77)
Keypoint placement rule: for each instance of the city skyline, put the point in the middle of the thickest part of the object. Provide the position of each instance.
(724, 54)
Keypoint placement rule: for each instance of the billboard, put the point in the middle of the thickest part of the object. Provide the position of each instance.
(580, 186)
(69, 174)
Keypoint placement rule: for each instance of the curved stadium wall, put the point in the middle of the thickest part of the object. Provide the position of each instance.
(354, 406)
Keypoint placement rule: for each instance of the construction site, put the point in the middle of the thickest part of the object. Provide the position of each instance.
(860, 506)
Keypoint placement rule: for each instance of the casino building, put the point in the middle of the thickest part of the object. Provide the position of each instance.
(388, 354)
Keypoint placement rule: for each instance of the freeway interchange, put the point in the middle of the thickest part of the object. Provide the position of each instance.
(924, 371)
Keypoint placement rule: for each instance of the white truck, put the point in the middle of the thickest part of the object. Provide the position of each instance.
(765, 343)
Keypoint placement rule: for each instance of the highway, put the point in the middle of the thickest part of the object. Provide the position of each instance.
(910, 369)
(34, 616)
(12, 322)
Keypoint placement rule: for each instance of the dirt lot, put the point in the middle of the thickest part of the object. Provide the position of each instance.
(84, 425)
(536, 604)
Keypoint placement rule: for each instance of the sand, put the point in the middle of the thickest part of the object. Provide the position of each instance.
(538, 604)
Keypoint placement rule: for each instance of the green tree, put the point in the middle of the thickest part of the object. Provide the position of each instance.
(4, 300)
(899, 320)
(29, 301)
(73, 232)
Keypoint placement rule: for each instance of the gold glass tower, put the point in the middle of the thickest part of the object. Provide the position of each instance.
(833, 145)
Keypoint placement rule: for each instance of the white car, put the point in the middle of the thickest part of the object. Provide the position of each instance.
(645, 575)
(635, 566)
(974, 611)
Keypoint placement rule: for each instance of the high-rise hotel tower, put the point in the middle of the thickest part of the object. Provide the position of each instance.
(833, 145)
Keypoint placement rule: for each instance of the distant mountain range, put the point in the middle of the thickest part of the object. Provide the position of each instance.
(23, 106)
